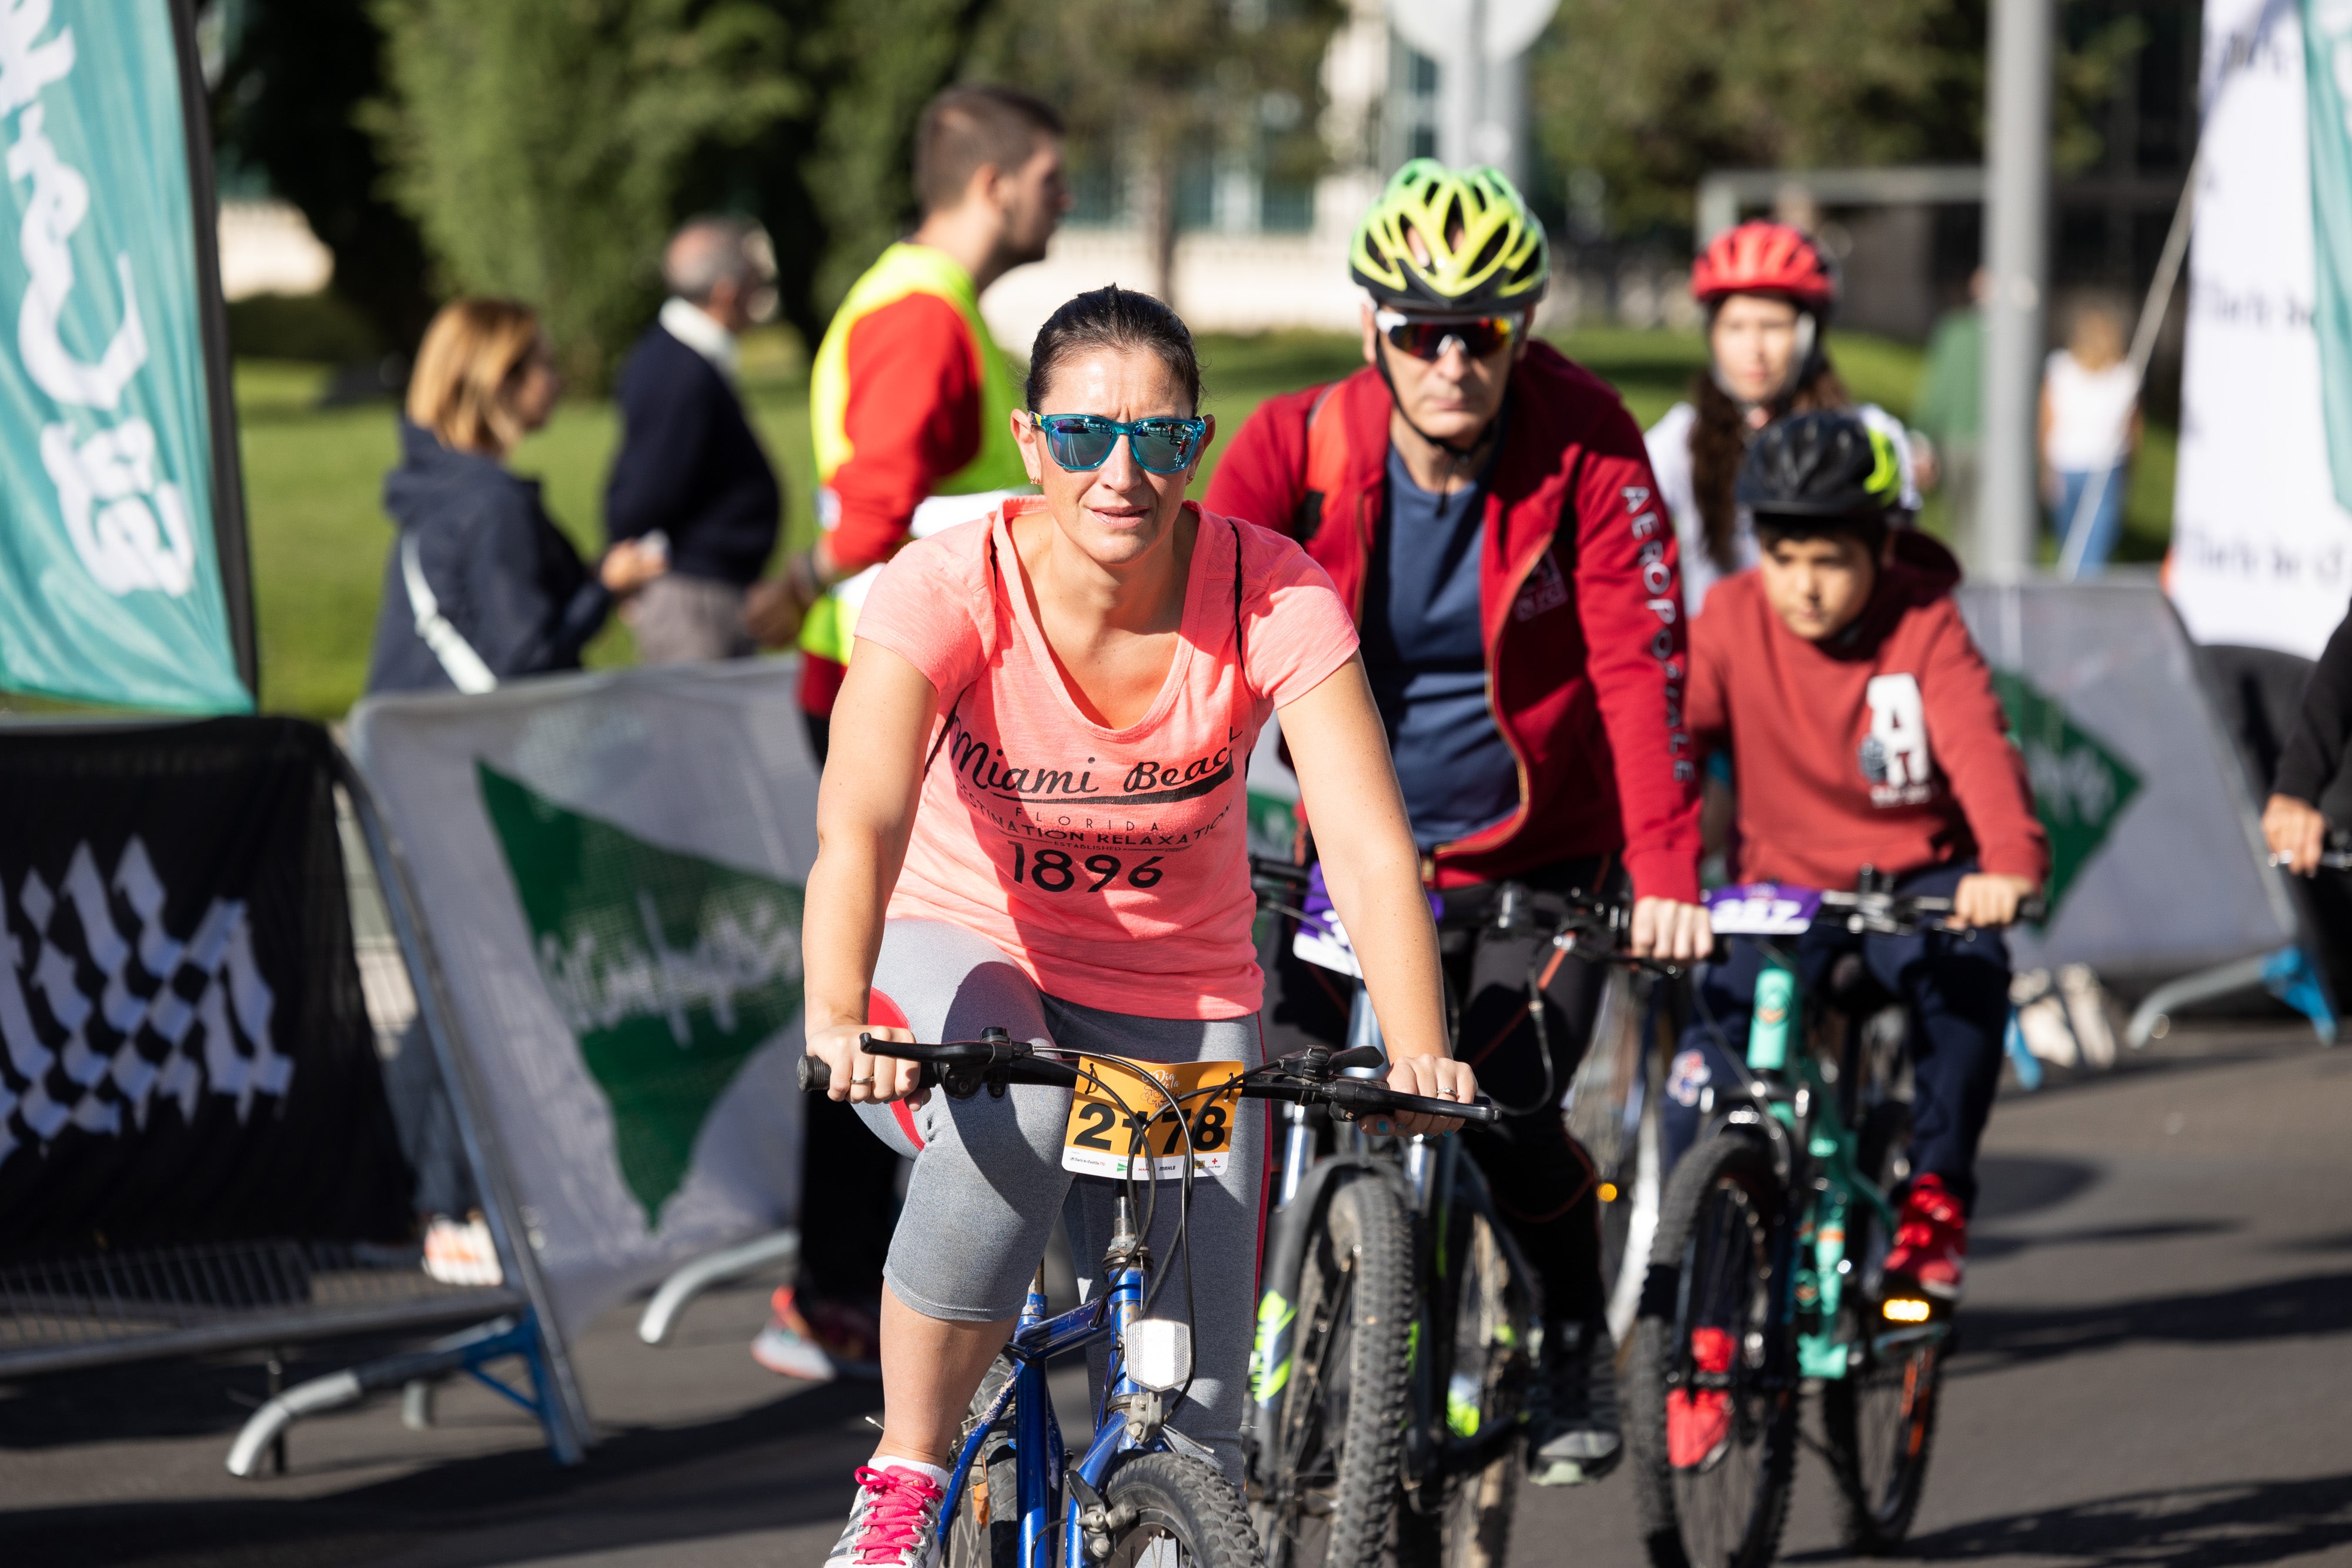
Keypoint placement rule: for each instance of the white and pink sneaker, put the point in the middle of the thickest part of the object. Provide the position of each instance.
(895, 1524)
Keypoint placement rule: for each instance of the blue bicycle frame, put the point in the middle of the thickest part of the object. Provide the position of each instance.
(1039, 1457)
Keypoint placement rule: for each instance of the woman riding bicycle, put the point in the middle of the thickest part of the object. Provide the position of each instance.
(1033, 817)
(1767, 291)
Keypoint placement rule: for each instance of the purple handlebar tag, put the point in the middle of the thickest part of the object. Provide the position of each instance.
(1322, 940)
(1762, 909)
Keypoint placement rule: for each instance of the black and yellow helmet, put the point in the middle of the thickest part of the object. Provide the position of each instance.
(1830, 463)
(1455, 240)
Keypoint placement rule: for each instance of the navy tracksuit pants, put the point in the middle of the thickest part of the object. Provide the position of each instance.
(1955, 989)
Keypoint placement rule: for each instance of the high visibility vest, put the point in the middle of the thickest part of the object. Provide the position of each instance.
(995, 471)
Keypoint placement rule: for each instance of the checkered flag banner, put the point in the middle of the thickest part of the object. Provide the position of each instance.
(101, 1022)
(184, 1054)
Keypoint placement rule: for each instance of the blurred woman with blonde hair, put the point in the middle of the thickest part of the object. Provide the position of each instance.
(481, 586)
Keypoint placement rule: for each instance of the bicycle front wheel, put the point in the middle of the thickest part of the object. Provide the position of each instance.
(1463, 1519)
(1177, 1513)
(1328, 1480)
(1714, 1410)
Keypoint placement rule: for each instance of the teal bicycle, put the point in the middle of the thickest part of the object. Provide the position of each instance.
(1766, 1272)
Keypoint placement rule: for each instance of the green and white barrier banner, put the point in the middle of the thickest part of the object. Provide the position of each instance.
(110, 584)
(2156, 861)
(609, 868)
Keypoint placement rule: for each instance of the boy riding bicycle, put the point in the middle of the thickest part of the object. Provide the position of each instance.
(1864, 736)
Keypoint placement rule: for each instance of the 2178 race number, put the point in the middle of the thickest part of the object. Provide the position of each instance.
(1052, 871)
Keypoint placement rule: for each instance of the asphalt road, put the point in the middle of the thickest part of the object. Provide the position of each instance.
(2156, 1370)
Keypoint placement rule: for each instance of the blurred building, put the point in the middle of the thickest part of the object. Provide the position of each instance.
(1255, 252)
(266, 247)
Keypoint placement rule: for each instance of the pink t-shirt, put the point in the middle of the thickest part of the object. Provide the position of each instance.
(1111, 864)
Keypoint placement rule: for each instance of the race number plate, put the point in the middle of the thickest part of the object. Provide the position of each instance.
(1102, 1136)
(1762, 909)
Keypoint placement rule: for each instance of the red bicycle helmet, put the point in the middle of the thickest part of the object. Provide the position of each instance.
(1762, 258)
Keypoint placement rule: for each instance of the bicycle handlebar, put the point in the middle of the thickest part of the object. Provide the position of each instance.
(2329, 859)
(1016, 1062)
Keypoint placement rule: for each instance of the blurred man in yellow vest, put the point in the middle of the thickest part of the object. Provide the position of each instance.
(911, 399)
(912, 406)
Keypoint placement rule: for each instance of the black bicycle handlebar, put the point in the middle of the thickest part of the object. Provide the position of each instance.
(963, 1067)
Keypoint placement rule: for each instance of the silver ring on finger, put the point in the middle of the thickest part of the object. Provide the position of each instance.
(861, 1080)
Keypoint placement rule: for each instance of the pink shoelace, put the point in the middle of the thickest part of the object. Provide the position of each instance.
(898, 1509)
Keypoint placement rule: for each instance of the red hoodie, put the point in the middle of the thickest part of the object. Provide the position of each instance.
(1578, 590)
(1883, 747)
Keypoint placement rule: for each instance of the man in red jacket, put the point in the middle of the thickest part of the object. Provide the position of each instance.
(1864, 733)
(1487, 510)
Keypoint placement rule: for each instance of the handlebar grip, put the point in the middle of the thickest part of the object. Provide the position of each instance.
(2035, 909)
(1360, 1096)
(817, 1077)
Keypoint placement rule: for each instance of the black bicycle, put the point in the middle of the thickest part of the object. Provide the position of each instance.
(1397, 1325)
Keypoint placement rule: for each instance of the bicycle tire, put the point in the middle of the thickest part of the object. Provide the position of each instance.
(1464, 1521)
(1879, 1446)
(1321, 1502)
(1172, 1498)
(1712, 1267)
(986, 1530)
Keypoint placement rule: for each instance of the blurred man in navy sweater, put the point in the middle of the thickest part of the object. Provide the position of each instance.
(690, 467)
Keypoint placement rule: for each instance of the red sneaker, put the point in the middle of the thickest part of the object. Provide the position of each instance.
(1699, 1425)
(1931, 1243)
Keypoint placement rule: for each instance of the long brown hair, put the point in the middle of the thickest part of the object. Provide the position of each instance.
(1719, 438)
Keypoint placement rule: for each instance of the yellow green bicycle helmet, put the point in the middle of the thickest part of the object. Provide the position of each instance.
(1457, 240)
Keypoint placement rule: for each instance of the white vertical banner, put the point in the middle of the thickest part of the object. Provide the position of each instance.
(2261, 554)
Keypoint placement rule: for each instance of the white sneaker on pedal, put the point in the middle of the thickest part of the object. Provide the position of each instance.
(895, 1524)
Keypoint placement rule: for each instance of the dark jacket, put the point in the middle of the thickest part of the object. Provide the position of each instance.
(1579, 592)
(2314, 753)
(691, 466)
(509, 584)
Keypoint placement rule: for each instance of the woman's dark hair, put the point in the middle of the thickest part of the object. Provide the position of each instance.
(1719, 437)
(1112, 317)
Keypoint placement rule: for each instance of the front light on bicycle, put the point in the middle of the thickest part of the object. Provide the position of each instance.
(1160, 1352)
(1904, 1310)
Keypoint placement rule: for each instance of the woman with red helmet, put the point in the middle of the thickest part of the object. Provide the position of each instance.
(1767, 291)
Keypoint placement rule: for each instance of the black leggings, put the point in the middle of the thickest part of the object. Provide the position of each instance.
(1541, 1178)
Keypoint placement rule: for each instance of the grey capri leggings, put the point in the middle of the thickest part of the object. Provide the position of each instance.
(988, 1179)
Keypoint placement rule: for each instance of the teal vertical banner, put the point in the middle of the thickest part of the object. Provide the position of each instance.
(2328, 71)
(110, 586)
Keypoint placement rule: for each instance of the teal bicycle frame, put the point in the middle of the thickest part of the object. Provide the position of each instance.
(1825, 1178)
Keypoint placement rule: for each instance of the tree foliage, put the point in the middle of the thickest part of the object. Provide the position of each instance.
(284, 105)
(1651, 100)
(1150, 87)
(541, 145)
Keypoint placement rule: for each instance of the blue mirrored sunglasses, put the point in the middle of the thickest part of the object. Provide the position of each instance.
(1082, 443)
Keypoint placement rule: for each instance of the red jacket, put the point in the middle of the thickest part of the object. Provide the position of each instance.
(1579, 590)
(1884, 746)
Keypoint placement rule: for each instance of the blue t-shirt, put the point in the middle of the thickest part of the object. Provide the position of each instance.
(1428, 667)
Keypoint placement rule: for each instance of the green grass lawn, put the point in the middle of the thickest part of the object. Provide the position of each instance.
(313, 476)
